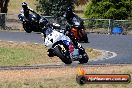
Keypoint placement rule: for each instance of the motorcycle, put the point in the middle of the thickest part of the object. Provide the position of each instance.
(77, 30)
(32, 23)
(61, 46)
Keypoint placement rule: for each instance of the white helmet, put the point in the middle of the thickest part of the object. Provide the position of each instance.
(24, 5)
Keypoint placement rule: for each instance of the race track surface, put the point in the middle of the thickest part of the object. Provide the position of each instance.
(120, 44)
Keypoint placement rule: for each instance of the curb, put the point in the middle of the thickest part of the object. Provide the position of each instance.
(105, 55)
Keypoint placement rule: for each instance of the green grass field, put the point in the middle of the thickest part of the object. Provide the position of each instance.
(12, 54)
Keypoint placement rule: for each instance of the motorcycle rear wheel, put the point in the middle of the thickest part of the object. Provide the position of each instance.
(27, 28)
(84, 36)
(61, 56)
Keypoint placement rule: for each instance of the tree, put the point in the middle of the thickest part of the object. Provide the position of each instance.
(108, 9)
(57, 7)
(3, 9)
(53, 7)
(3, 6)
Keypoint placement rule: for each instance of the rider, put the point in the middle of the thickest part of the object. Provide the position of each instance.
(26, 11)
(69, 15)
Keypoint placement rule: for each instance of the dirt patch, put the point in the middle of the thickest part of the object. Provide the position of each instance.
(59, 72)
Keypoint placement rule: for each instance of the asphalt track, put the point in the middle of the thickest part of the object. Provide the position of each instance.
(120, 44)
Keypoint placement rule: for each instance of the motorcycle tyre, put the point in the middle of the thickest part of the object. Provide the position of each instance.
(85, 37)
(61, 56)
(27, 29)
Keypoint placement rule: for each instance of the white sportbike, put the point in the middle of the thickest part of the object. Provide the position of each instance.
(61, 46)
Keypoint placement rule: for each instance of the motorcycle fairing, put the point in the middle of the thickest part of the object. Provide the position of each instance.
(75, 32)
(56, 36)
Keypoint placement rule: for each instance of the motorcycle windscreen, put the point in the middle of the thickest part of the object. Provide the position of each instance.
(21, 17)
(48, 31)
(75, 33)
(52, 37)
(76, 22)
(66, 40)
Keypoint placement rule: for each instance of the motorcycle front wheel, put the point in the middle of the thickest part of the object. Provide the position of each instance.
(61, 56)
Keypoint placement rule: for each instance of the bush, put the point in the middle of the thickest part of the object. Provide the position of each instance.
(108, 9)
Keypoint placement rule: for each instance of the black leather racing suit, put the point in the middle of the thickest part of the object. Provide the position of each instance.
(26, 11)
(69, 19)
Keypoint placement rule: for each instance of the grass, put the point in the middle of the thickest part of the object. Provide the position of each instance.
(23, 54)
(14, 56)
(93, 54)
(67, 81)
(58, 83)
(13, 53)
(14, 6)
(98, 30)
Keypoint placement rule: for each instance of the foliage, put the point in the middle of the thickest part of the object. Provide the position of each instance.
(53, 7)
(3, 6)
(108, 9)
(57, 7)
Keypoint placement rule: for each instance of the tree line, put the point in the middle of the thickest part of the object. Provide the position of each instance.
(3, 6)
(104, 9)
(109, 9)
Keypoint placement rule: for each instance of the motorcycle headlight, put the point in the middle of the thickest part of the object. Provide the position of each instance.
(77, 23)
(55, 24)
(33, 19)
